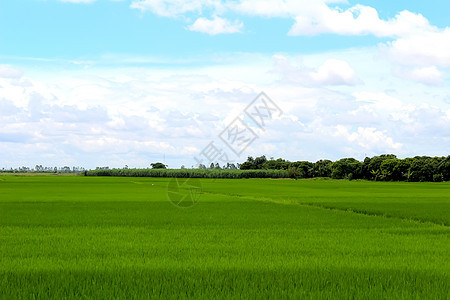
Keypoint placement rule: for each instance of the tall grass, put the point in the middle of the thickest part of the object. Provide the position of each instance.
(190, 173)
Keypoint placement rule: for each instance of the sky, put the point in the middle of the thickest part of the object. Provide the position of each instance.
(112, 83)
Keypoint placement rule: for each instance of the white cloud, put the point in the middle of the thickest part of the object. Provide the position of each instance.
(215, 26)
(379, 102)
(369, 139)
(9, 72)
(175, 8)
(423, 49)
(331, 72)
(357, 20)
(426, 75)
(135, 115)
(311, 17)
(266, 8)
(335, 72)
(416, 42)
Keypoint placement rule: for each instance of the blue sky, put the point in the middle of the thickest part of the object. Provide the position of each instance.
(54, 29)
(93, 83)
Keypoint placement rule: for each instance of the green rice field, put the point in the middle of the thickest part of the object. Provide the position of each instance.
(74, 237)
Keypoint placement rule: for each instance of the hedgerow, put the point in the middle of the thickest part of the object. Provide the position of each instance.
(189, 173)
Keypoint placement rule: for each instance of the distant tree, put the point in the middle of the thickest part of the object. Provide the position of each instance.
(158, 165)
(211, 166)
(279, 164)
(292, 172)
(444, 168)
(201, 166)
(422, 168)
(343, 167)
(230, 166)
(259, 162)
(438, 178)
(322, 168)
(305, 169)
(246, 166)
(394, 169)
(371, 167)
(385, 167)
(254, 163)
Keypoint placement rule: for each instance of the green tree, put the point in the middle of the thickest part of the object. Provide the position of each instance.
(246, 166)
(305, 169)
(422, 168)
(292, 172)
(343, 167)
(158, 165)
(322, 168)
(444, 168)
(259, 162)
(279, 164)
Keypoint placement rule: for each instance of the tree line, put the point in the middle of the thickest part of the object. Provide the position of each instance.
(41, 169)
(386, 167)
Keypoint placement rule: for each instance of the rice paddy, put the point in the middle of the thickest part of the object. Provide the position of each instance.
(112, 237)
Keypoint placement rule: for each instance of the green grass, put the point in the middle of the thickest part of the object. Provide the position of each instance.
(96, 237)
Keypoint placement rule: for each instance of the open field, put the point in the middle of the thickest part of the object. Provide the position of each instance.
(97, 237)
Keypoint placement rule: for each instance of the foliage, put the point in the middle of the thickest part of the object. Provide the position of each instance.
(292, 172)
(158, 165)
(254, 163)
(190, 173)
(278, 164)
(438, 178)
(385, 167)
(322, 168)
(344, 167)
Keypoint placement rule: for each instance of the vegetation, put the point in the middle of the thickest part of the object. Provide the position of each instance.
(386, 167)
(158, 165)
(190, 173)
(378, 168)
(41, 169)
(110, 237)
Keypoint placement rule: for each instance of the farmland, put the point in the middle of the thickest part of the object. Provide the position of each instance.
(115, 237)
